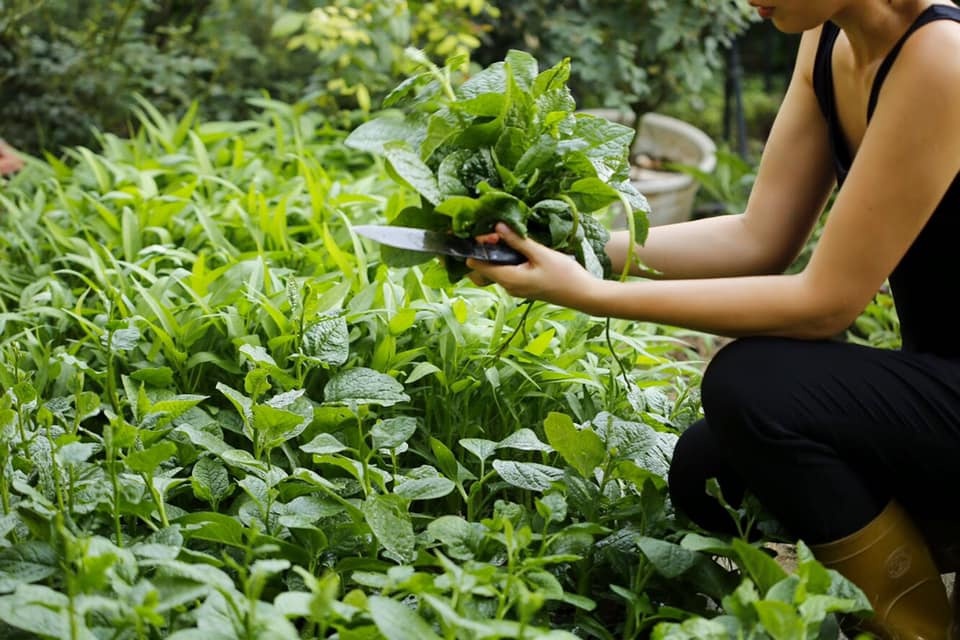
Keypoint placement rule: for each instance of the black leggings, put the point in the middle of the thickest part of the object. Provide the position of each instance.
(824, 434)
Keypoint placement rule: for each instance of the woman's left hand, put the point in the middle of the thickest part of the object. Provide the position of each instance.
(547, 275)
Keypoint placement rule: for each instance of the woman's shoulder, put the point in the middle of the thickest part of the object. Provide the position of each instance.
(931, 54)
(807, 51)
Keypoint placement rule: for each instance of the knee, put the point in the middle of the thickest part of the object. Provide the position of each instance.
(688, 472)
(743, 385)
(696, 459)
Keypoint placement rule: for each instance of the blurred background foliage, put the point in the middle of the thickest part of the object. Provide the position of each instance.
(68, 69)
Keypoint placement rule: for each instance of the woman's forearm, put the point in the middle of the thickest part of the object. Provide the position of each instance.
(778, 305)
(721, 246)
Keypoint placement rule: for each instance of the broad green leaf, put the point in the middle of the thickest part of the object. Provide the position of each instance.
(460, 538)
(289, 23)
(242, 403)
(323, 444)
(373, 135)
(582, 449)
(213, 527)
(402, 320)
(328, 339)
(204, 439)
(277, 425)
(122, 339)
(524, 68)
(42, 611)
(74, 453)
(26, 562)
(524, 440)
(390, 522)
(413, 171)
(527, 475)
(398, 622)
(762, 569)
(671, 560)
(361, 385)
(305, 511)
(479, 447)
(781, 620)
(258, 355)
(154, 376)
(592, 194)
(424, 488)
(697, 542)
(147, 460)
(393, 432)
(210, 480)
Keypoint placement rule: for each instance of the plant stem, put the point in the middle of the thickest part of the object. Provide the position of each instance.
(114, 482)
(157, 500)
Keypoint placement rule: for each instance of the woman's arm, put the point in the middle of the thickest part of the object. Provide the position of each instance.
(794, 180)
(906, 162)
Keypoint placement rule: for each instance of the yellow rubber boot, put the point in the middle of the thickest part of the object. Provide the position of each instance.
(890, 561)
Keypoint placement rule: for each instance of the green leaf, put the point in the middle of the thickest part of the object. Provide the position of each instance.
(361, 385)
(524, 440)
(327, 339)
(671, 560)
(762, 569)
(40, 610)
(582, 449)
(479, 447)
(390, 522)
(524, 68)
(213, 527)
(147, 460)
(289, 23)
(446, 461)
(122, 339)
(393, 432)
(460, 538)
(154, 376)
(210, 480)
(324, 444)
(781, 620)
(398, 622)
(26, 562)
(373, 135)
(413, 171)
(527, 475)
(424, 488)
(277, 425)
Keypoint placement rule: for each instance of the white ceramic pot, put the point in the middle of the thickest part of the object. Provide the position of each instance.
(671, 194)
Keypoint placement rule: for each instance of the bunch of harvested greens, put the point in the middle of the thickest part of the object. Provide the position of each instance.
(506, 144)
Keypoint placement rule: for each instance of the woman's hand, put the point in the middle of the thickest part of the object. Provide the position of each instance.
(547, 275)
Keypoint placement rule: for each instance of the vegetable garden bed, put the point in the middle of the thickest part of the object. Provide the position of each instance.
(224, 417)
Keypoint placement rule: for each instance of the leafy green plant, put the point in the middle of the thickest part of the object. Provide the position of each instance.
(506, 144)
(769, 602)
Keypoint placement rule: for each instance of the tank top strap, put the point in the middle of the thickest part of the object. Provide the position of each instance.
(930, 14)
(823, 69)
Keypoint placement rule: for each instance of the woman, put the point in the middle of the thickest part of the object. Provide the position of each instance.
(10, 162)
(849, 446)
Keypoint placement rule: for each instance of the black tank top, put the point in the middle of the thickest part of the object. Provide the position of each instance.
(923, 283)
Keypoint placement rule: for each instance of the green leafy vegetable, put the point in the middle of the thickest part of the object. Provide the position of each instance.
(507, 145)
